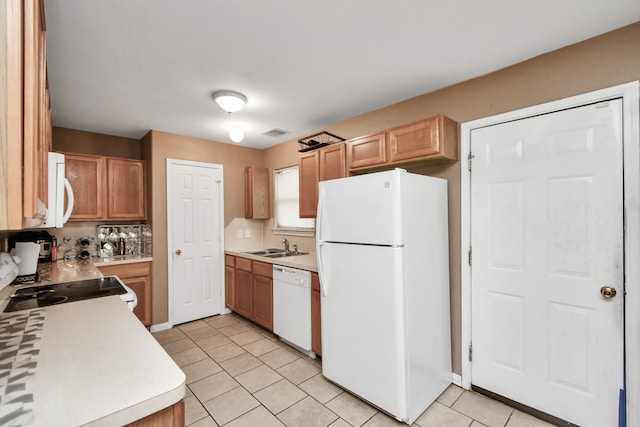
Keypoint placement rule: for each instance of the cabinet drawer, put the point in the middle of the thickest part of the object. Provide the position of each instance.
(229, 260)
(137, 269)
(243, 264)
(262, 269)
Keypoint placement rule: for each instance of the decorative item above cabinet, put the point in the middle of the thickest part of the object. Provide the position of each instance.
(256, 192)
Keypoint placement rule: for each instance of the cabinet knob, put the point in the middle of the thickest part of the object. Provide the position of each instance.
(178, 252)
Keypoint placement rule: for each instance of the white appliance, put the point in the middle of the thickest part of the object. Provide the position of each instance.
(56, 215)
(383, 261)
(292, 307)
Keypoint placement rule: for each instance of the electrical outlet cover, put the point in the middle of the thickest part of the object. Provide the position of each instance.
(239, 234)
(247, 233)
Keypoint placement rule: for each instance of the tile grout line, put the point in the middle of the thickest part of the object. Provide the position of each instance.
(252, 394)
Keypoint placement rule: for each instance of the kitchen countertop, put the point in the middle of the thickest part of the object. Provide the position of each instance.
(98, 364)
(303, 262)
(95, 363)
(64, 271)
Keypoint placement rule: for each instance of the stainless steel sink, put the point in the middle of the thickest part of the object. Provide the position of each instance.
(284, 254)
(263, 252)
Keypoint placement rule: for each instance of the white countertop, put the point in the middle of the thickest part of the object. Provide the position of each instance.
(303, 262)
(98, 364)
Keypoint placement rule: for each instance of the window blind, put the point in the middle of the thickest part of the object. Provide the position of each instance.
(286, 201)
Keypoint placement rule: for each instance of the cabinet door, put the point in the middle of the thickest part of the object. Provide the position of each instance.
(316, 325)
(34, 107)
(86, 174)
(429, 138)
(244, 293)
(418, 139)
(263, 301)
(333, 162)
(256, 192)
(125, 189)
(309, 175)
(137, 276)
(11, 100)
(142, 287)
(367, 151)
(230, 287)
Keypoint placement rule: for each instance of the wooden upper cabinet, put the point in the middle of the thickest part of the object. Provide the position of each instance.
(435, 137)
(125, 189)
(25, 124)
(35, 142)
(308, 176)
(323, 164)
(367, 151)
(256, 192)
(333, 162)
(86, 174)
(106, 187)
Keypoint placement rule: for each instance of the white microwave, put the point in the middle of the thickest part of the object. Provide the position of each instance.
(56, 214)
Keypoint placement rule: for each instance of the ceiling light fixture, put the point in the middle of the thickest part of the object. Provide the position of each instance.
(229, 100)
(236, 134)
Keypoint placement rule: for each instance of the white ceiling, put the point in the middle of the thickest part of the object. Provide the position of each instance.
(122, 67)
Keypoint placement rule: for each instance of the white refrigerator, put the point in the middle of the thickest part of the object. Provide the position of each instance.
(383, 262)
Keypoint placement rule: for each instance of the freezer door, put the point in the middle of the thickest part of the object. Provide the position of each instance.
(362, 304)
(363, 209)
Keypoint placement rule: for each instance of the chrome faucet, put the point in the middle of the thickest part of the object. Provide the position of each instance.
(286, 244)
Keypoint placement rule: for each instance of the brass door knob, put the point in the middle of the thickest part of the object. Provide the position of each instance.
(179, 252)
(608, 291)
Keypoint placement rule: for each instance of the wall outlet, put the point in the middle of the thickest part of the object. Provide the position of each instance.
(247, 233)
(239, 234)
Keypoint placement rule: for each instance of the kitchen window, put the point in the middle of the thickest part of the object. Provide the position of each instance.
(287, 216)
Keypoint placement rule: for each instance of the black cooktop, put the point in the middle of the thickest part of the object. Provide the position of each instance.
(46, 295)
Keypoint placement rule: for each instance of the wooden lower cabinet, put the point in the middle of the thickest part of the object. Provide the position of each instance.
(173, 416)
(251, 283)
(244, 293)
(230, 282)
(316, 324)
(263, 301)
(137, 276)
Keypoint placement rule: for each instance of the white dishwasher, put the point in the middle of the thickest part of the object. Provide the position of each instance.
(292, 307)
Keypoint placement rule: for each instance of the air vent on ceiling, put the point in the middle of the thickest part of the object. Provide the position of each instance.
(275, 133)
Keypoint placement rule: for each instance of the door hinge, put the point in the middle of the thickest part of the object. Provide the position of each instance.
(470, 352)
(470, 256)
(470, 160)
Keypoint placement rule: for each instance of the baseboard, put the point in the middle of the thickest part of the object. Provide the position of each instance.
(456, 379)
(160, 327)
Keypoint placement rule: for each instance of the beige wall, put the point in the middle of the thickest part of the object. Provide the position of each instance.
(157, 147)
(604, 61)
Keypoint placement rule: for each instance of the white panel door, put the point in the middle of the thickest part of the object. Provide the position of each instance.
(195, 242)
(547, 235)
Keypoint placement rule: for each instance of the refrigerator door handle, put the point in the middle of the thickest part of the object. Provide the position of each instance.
(319, 216)
(323, 287)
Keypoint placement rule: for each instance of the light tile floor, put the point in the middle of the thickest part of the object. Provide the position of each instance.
(239, 374)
